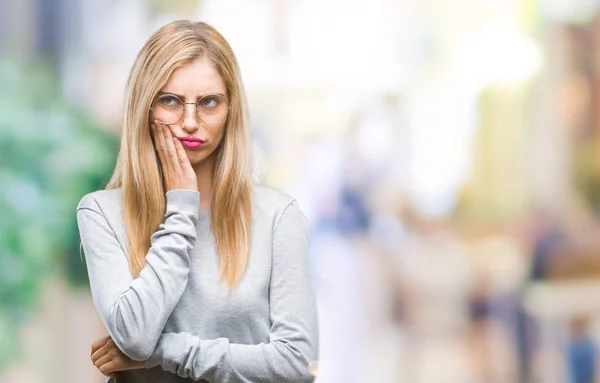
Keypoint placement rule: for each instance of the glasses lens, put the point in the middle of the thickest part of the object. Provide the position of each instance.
(167, 109)
(212, 108)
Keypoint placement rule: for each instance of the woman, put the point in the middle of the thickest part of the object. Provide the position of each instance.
(196, 273)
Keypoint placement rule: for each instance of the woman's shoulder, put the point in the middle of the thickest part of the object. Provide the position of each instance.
(268, 197)
(101, 200)
(272, 202)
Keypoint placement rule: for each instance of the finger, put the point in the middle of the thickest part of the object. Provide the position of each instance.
(158, 138)
(99, 353)
(153, 132)
(103, 360)
(99, 343)
(161, 148)
(184, 161)
(171, 152)
(109, 367)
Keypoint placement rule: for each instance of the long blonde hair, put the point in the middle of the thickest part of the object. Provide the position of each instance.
(138, 170)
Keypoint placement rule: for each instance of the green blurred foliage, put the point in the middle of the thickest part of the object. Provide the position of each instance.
(51, 154)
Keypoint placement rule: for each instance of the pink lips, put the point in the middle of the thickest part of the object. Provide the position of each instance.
(191, 142)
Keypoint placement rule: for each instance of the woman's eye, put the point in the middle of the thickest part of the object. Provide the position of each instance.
(209, 102)
(169, 100)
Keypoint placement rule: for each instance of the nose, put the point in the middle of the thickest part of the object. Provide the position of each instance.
(190, 120)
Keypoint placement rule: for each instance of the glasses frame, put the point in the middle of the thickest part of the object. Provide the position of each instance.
(191, 103)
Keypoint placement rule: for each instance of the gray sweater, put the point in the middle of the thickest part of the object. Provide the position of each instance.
(179, 319)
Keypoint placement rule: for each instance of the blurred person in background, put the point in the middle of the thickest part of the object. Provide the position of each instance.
(195, 271)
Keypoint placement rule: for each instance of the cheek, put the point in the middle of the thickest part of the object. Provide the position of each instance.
(217, 134)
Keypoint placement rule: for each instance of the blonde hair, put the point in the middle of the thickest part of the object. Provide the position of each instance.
(138, 170)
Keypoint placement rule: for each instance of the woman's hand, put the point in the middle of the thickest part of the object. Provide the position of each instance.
(176, 167)
(107, 357)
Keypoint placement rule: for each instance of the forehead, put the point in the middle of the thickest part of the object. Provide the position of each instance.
(194, 79)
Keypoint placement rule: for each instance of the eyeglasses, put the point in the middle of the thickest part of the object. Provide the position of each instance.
(210, 108)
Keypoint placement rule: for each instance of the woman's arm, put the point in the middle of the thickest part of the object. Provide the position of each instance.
(135, 311)
(294, 332)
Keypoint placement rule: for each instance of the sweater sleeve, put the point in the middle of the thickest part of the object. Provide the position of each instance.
(292, 350)
(135, 311)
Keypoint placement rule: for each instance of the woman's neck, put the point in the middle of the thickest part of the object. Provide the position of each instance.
(204, 176)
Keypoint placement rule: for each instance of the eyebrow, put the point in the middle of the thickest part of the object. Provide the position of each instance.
(183, 97)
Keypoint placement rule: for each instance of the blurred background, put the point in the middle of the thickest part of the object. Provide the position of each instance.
(446, 153)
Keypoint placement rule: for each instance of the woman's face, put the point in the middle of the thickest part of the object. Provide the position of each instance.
(201, 87)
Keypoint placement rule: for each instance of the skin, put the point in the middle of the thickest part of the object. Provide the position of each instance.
(183, 168)
(192, 81)
(107, 357)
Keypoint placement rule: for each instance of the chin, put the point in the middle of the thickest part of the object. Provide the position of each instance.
(196, 160)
